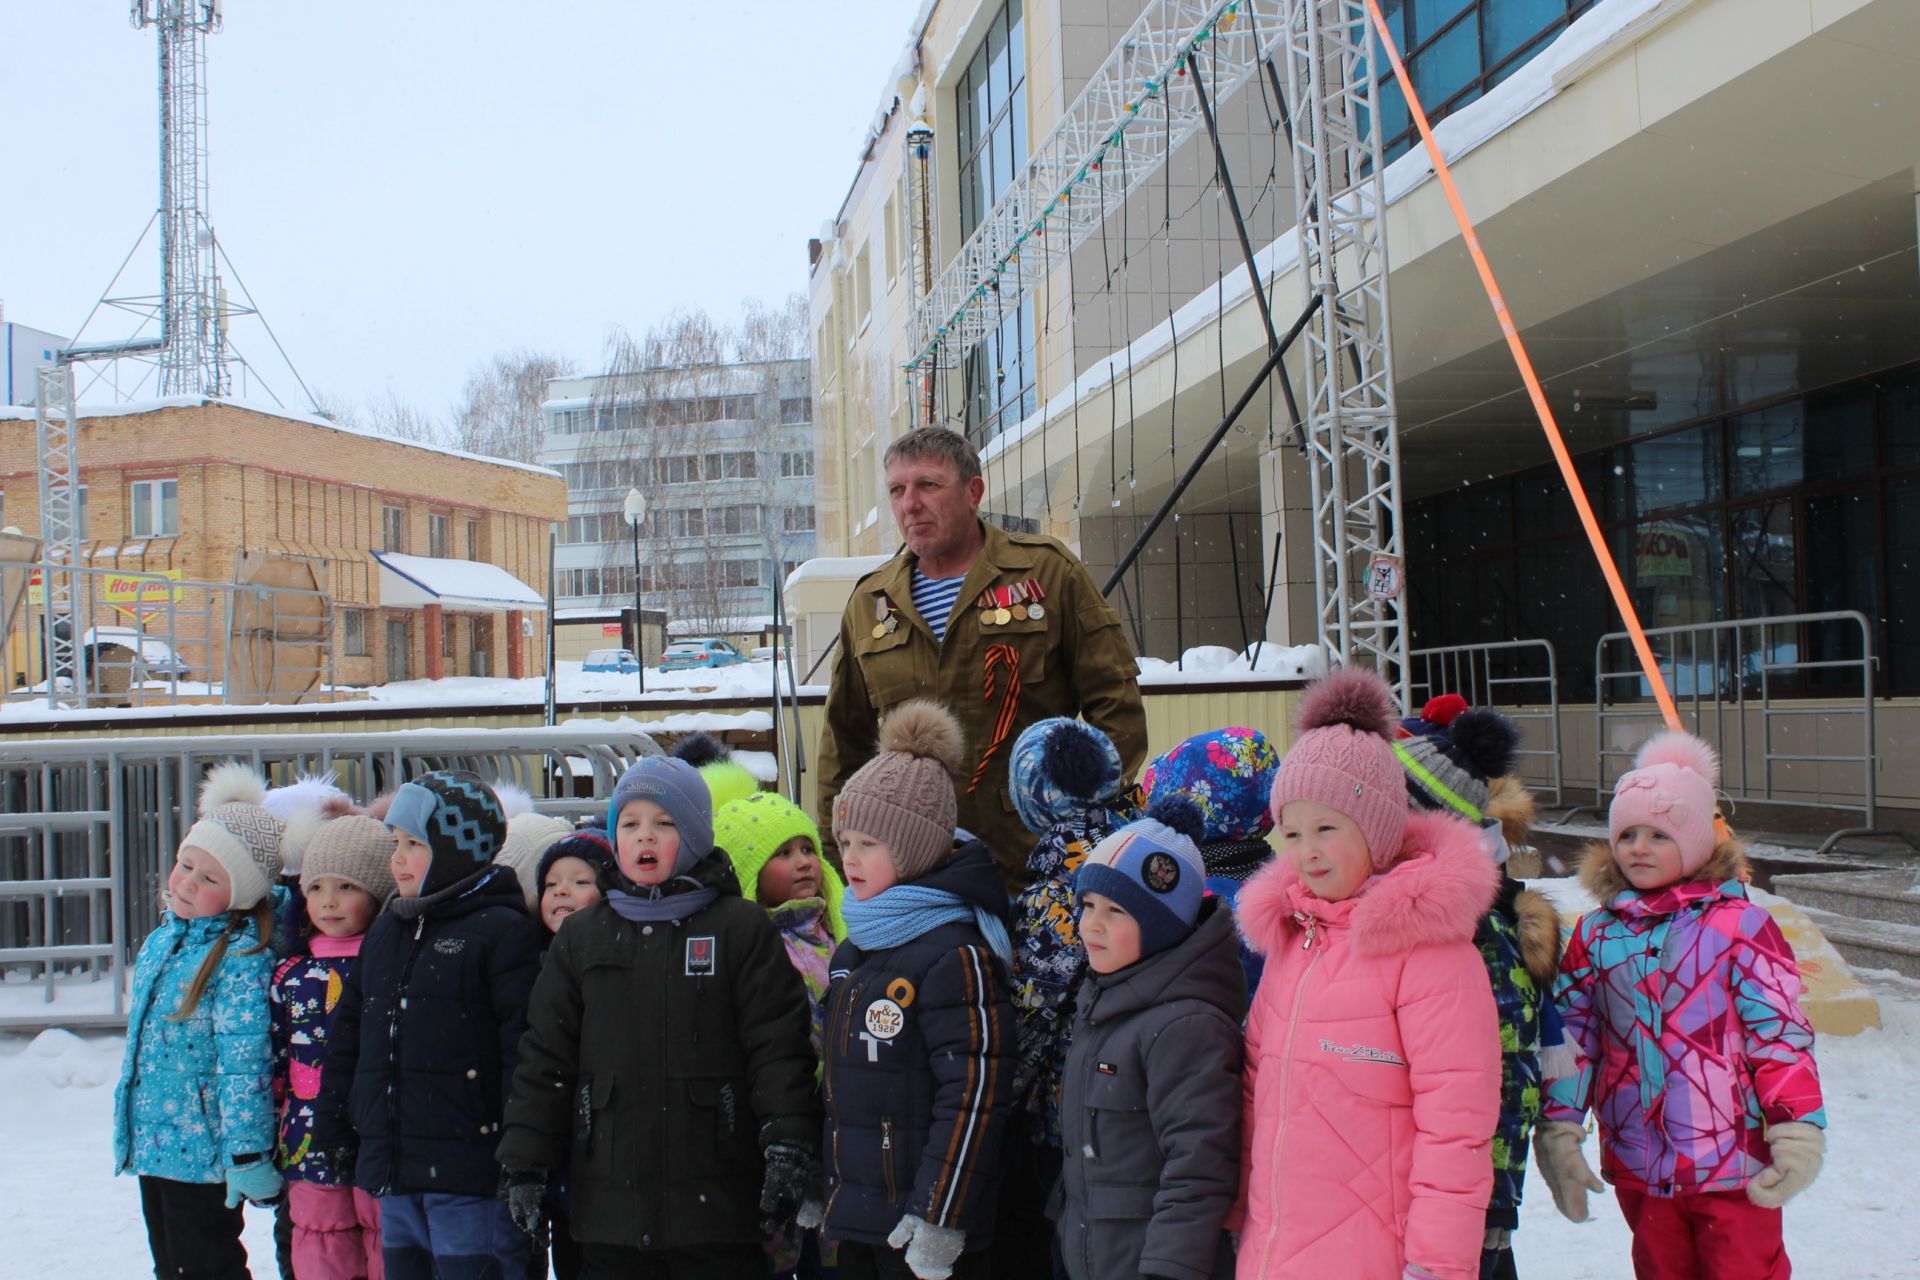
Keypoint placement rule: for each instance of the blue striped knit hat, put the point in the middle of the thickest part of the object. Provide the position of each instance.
(457, 816)
(1153, 869)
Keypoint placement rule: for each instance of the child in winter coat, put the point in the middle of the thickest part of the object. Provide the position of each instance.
(918, 1036)
(425, 1037)
(1152, 1092)
(1373, 1050)
(1450, 769)
(666, 1062)
(193, 1110)
(1682, 999)
(345, 878)
(569, 874)
(529, 836)
(1229, 774)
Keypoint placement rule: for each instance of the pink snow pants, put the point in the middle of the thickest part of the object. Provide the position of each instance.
(336, 1233)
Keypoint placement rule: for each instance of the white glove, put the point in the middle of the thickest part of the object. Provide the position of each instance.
(1798, 1150)
(931, 1251)
(812, 1215)
(1556, 1149)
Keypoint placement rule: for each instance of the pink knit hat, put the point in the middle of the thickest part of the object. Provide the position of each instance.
(1670, 788)
(1342, 757)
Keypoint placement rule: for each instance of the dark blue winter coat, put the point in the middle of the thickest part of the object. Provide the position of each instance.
(919, 1053)
(425, 1040)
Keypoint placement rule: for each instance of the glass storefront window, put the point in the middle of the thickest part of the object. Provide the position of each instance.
(1680, 469)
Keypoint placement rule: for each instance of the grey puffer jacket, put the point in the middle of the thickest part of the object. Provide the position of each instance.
(1150, 1112)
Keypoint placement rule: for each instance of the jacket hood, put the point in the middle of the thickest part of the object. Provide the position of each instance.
(1049, 857)
(1205, 965)
(973, 874)
(1601, 876)
(1435, 891)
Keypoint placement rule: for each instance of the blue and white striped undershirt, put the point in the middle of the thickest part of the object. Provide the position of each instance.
(933, 600)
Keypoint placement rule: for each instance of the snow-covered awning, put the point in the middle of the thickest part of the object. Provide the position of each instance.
(413, 582)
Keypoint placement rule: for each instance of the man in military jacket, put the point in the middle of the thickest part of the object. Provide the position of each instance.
(1026, 635)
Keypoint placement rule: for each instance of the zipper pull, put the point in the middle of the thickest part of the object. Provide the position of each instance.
(1311, 925)
(419, 927)
(886, 1135)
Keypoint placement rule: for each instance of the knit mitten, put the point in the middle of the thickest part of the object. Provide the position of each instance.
(930, 1251)
(1798, 1150)
(1556, 1148)
(256, 1180)
(525, 1194)
(793, 1178)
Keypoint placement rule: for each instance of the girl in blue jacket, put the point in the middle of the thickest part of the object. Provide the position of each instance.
(193, 1112)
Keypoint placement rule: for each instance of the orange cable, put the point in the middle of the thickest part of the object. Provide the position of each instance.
(1555, 440)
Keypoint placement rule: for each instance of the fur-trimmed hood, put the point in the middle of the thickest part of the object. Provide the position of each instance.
(1435, 891)
(1537, 925)
(1512, 805)
(1601, 876)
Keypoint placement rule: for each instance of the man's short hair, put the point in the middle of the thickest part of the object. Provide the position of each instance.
(936, 442)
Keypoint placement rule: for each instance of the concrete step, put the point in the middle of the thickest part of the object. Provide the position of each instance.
(1883, 896)
(1871, 944)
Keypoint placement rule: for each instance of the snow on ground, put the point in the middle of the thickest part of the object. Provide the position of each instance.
(63, 1212)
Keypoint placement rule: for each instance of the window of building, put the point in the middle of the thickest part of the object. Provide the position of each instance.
(795, 409)
(473, 539)
(687, 522)
(79, 511)
(393, 528)
(153, 508)
(438, 528)
(353, 632)
(742, 408)
(797, 519)
(447, 628)
(739, 573)
(734, 520)
(796, 464)
(732, 466)
(399, 655)
(862, 288)
(992, 111)
(679, 470)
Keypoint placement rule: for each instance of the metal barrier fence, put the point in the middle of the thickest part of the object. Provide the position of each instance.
(1501, 674)
(142, 638)
(1723, 671)
(89, 828)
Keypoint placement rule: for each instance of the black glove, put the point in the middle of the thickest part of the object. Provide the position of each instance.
(794, 1176)
(526, 1194)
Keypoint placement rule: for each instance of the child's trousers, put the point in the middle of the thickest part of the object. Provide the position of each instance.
(336, 1233)
(1711, 1235)
(192, 1233)
(443, 1237)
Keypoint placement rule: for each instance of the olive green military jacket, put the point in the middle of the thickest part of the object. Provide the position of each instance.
(996, 677)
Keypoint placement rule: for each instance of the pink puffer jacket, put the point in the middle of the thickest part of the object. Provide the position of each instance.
(1373, 1068)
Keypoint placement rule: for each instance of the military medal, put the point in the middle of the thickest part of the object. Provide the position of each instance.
(887, 624)
(1036, 593)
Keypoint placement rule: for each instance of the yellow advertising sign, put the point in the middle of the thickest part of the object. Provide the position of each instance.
(129, 592)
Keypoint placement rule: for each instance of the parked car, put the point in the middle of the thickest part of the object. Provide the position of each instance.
(617, 660)
(699, 655)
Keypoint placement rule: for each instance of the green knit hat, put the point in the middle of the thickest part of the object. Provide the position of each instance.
(752, 830)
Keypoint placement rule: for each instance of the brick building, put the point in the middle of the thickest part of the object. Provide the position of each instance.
(435, 561)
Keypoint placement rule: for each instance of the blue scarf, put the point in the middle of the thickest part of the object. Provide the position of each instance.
(658, 906)
(896, 916)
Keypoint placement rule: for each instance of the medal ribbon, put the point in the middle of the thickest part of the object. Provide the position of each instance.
(999, 655)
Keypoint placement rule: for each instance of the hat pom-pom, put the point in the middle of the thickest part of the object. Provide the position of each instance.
(924, 728)
(301, 826)
(701, 750)
(1488, 740)
(1075, 757)
(1353, 696)
(231, 783)
(514, 801)
(1444, 709)
(1682, 749)
(1171, 809)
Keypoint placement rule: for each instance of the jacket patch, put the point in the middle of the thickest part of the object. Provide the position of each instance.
(449, 946)
(1106, 1068)
(1161, 872)
(885, 1019)
(701, 958)
(1363, 1053)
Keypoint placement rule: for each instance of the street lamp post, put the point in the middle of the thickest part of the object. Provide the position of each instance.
(635, 510)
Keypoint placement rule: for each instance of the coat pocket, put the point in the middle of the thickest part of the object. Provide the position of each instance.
(593, 1123)
(1116, 1107)
(1110, 1202)
(720, 1135)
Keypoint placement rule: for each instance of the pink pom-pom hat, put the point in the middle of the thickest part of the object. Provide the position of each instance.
(1343, 758)
(1670, 788)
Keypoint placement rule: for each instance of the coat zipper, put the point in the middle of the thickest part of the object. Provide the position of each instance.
(393, 1050)
(886, 1157)
(1312, 928)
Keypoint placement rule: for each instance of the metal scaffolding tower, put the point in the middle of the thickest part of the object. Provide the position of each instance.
(192, 316)
(55, 434)
(1353, 449)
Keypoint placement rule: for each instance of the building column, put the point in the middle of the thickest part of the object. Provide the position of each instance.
(436, 622)
(516, 646)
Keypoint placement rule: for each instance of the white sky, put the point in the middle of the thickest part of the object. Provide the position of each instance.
(407, 188)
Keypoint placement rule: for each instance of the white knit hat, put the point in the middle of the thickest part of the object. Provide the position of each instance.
(238, 831)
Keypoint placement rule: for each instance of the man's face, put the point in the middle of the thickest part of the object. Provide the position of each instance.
(936, 514)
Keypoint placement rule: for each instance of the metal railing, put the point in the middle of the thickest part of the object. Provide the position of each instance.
(1500, 674)
(89, 829)
(1722, 672)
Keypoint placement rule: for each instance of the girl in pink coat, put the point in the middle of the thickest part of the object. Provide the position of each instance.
(1372, 1083)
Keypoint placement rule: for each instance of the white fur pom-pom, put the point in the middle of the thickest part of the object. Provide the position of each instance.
(231, 783)
(513, 801)
(1682, 749)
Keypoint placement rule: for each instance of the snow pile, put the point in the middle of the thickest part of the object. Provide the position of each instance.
(1213, 662)
(68, 1062)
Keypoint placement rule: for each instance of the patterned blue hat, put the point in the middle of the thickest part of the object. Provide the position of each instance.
(1228, 773)
(457, 816)
(1152, 869)
(1060, 768)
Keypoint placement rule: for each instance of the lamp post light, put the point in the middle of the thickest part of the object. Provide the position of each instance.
(635, 509)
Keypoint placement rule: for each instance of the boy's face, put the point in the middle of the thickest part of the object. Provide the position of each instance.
(869, 864)
(570, 886)
(340, 909)
(791, 874)
(1648, 857)
(1110, 935)
(409, 864)
(198, 886)
(1326, 848)
(647, 843)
